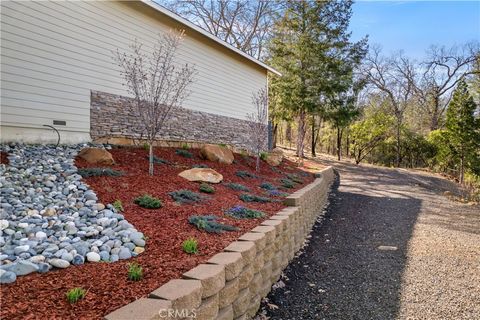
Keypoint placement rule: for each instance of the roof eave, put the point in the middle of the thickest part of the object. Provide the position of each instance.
(187, 23)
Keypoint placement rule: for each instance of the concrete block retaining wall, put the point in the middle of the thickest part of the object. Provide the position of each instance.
(232, 283)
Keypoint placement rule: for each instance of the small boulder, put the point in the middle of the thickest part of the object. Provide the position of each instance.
(59, 263)
(93, 257)
(217, 153)
(7, 277)
(202, 175)
(97, 156)
(275, 157)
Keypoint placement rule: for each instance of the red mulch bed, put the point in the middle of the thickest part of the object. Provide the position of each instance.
(3, 157)
(43, 295)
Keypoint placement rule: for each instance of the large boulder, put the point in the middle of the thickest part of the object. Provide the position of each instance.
(275, 157)
(202, 175)
(97, 156)
(217, 153)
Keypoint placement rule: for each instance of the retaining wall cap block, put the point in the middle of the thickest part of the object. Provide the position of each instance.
(232, 261)
(225, 313)
(246, 248)
(141, 309)
(184, 294)
(259, 238)
(278, 224)
(208, 309)
(269, 231)
(212, 277)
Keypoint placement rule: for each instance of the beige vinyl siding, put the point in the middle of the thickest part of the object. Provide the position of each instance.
(54, 53)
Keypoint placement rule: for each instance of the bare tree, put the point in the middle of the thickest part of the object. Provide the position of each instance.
(242, 23)
(157, 82)
(390, 76)
(440, 73)
(258, 124)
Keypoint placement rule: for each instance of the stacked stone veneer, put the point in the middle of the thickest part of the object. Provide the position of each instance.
(232, 283)
(112, 116)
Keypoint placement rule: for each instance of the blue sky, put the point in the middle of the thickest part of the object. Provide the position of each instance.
(415, 25)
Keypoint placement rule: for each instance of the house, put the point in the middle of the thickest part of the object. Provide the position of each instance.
(57, 70)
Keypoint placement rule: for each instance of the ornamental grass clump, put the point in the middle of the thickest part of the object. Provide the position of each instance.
(186, 196)
(190, 246)
(148, 202)
(184, 153)
(75, 294)
(295, 178)
(206, 188)
(135, 272)
(99, 172)
(118, 205)
(237, 186)
(200, 165)
(267, 186)
(245, 174)
(240, 212)
(158, 160)
(287, 183)
(253, 198)
(209, 224)
(276, 193)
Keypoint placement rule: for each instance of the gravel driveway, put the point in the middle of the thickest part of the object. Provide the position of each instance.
(428, 267)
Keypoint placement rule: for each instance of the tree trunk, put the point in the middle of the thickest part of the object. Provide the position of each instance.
(397, 159)
(150, 159)
(434, 116)
(313, 137)
(339, 143)
(462, 168)
(301, 134)
(274, 135)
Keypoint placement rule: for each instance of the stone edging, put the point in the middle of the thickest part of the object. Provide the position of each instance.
(232, 283)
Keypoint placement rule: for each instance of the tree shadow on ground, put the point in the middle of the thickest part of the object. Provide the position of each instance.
(342, 274)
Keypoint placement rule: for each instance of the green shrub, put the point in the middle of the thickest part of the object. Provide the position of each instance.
(245, 174)
(148, 202)
(118, 205)
(186, 196)
(237, 186)
(200, 165)
(75, 294)
(264, 156)
(287, 183)
(267, 186)
(185, 146)
(146, 146)
(295, 178)
(158, 160)
(223, 145)
(240, 212)
(253, 198)
(135, 272)
(99, 172)
(206, 188)
(190, 246)
(210, 224)
(184, 153)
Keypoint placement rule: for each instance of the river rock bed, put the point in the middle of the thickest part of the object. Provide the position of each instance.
(50, 219)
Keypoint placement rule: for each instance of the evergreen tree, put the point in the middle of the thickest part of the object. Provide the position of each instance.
(311, 48)
(463, 130)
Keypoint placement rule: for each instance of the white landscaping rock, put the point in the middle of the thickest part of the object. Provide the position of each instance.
(93, 257)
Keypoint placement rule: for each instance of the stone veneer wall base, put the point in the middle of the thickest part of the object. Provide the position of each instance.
(232, 283)
(113, 119)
